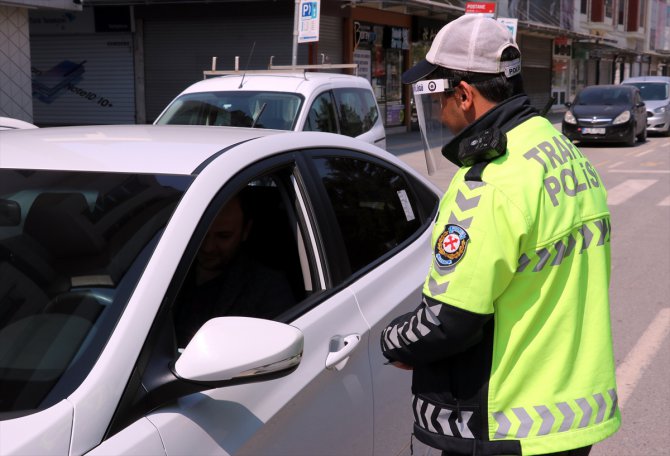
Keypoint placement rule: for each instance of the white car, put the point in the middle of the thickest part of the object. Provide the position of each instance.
(9, 123)
(99, 230)
(299, 101)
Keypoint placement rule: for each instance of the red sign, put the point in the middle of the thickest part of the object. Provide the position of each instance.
(480, 7)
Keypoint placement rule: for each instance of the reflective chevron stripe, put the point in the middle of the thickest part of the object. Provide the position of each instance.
(565, 247)
(521, 422)
(442, 420)
(409, 332)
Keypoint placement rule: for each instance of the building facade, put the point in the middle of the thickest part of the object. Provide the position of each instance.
(122, 61)
(15, 59)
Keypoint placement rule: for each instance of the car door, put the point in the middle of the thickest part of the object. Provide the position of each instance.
(384, 219)
(325, 406)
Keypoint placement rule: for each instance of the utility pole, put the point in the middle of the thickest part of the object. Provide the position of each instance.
(296, 23)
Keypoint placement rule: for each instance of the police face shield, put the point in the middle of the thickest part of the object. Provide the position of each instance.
(429, 99)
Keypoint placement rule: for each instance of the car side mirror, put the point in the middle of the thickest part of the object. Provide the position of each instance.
(239, 349)
(567, 104)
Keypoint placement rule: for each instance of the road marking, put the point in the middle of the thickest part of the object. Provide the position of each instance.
(630, 371)
(614, 165)
(640, 171)
(665, 202)
(627, 189)
(645, 152)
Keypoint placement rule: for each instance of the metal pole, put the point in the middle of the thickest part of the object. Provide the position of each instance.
(296, 21)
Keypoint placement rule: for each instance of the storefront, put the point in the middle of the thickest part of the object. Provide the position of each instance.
(82, 66)
(379, 42)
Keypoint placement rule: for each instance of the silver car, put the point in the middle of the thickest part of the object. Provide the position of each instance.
(655, 91)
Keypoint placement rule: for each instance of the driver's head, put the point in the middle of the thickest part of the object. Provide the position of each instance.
(480, 65)
(224, 238)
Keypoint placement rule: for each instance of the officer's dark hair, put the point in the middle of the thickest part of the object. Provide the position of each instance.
(495, 88)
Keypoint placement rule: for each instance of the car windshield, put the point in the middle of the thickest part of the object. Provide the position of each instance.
(605, 96)
(275, 110)
(653, 90)
(72, 248)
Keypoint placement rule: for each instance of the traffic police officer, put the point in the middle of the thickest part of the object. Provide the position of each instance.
(511, 347)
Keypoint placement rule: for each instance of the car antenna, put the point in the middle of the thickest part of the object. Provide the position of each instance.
(246, 67)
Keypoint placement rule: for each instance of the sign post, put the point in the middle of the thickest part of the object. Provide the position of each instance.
(305, 24)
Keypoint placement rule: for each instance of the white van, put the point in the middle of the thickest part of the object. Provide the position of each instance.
(298, 101)
(655, 91)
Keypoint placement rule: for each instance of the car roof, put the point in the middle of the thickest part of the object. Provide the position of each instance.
(156, 149)
(647, 79)
(609, 87)
(295, 82)
(121, 148)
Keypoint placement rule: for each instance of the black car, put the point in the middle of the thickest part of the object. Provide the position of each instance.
(608, 113)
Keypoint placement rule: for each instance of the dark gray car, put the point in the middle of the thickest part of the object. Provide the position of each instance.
(607, 113)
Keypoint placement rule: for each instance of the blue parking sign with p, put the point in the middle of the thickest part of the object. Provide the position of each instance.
(309, 9)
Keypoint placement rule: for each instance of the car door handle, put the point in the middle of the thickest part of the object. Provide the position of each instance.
(340, 350)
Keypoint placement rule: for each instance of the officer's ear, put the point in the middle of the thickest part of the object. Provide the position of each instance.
(465, 95)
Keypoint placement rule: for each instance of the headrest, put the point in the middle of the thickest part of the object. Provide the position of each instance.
(60, 223)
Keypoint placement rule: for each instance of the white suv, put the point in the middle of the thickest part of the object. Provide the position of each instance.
(299, 101)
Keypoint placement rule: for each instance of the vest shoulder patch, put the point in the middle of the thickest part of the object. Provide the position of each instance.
(451, 245)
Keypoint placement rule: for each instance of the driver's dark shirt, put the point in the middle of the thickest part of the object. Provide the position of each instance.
(246, 288)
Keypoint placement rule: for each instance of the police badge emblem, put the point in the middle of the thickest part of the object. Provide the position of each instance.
(450, 246)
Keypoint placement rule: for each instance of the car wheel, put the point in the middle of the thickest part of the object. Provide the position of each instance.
(642, 137)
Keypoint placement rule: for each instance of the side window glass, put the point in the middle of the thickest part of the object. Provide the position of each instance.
(357, 110)
(251, 260)
(374, 206)
(321, 116)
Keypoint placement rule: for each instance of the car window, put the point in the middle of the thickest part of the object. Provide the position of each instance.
(259, 109)
(375, 207)
(605, 96)
(72, 247)
(652, 90)
(321, 115)
(357, 110)
(252, 259)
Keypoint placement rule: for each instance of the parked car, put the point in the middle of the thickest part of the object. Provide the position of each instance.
(607, 113)
(9, 123)
(99, 229)
(299, 101)
(655, 91)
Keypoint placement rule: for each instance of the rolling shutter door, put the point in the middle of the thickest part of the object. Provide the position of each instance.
(536, 69)
(177, 51)
(83, 79)
(331, 37)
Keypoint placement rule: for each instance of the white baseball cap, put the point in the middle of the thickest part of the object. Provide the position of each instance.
(472, 43)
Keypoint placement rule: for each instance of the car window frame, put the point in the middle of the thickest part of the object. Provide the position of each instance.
(330, 236)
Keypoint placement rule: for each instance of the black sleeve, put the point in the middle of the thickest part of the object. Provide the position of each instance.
(432, 332)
